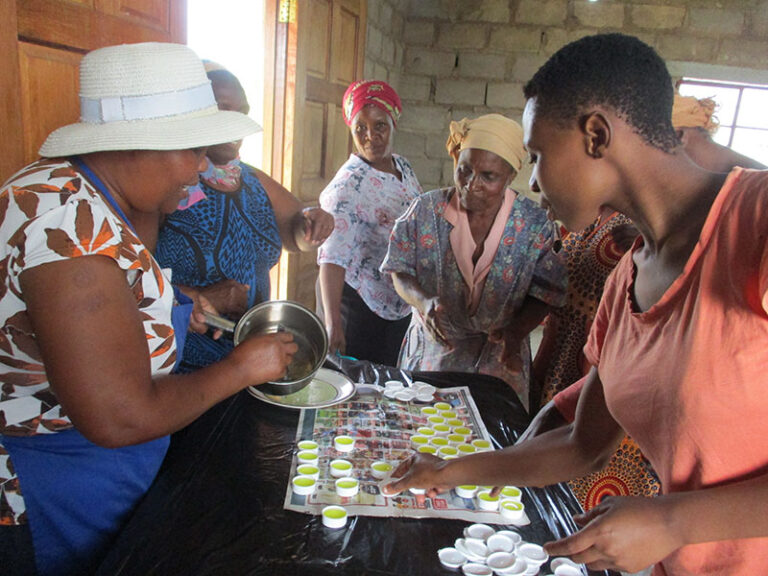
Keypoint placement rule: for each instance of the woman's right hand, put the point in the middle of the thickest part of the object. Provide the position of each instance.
(418, 471)
(265, 358)
(337, 342)
(436, 320)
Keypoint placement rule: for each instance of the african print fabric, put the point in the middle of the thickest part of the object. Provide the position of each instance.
(225, 235)
(49, 212)
(590, 256)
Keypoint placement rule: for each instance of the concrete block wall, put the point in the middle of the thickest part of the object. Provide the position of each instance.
(385, 44)
(454, 58)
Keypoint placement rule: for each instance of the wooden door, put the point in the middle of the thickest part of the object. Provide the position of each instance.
(323, 43)
(42, 42)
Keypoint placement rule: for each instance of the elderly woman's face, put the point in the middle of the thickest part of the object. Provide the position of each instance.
(228, 97)
(372, 131)
(165, 176)
(481, 178)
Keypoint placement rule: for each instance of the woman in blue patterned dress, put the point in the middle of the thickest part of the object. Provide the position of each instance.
(231, 232)
(475, 261)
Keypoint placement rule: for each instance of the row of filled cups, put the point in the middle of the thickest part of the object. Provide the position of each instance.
(341, 470)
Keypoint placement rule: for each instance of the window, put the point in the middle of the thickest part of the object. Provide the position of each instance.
(742, 111)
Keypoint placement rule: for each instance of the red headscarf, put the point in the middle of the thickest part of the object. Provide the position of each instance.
(374, 92)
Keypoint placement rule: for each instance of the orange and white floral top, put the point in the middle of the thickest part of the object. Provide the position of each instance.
(50, 212)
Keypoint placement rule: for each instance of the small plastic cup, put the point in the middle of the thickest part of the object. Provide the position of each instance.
(341, 468)
(455, 439)
(441, 406)
(404, 395)
(304, 485)
(308, 446)
(454, 423)
(308, 470)
(419, 440)
(438, 441)
(427, 449)
(481, 444)
(465, 449)
(429, 411)
(344, 443)
(511, 493)
(347, 487)
(425, 431)
(447, 452)
(532, 553)
(512, 509)
(307, 457)
(448, 414)
(451, 558)
(417, 491)
(436, 420)
(441, 429)
(334, 516)
(381, 469)
(487, 502)
(463, 431)
(466, 491)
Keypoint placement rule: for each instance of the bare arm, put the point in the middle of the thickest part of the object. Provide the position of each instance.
(560, 454)
(301, 229)
(426, 305)
(95, 354)
(331, 280)
(530, 315)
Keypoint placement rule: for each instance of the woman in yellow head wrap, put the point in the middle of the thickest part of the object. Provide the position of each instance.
(475, 261)
(695, 123)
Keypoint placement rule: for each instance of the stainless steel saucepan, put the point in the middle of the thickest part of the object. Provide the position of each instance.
(282, 316)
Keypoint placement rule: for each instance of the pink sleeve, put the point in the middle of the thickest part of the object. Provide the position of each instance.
(567, 400)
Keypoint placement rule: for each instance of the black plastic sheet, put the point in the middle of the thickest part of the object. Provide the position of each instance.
(216, 506)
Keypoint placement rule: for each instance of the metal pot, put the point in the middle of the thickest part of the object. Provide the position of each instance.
(283, 316)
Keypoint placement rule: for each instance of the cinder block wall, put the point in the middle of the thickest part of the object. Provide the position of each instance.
(454, 58)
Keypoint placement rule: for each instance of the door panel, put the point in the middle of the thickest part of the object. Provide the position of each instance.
(42, 42)
(49, 88)
(323, 60)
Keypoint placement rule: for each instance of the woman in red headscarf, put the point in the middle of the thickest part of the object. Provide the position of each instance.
(364, 315)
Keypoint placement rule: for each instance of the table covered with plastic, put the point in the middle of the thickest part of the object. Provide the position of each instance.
(216, 506)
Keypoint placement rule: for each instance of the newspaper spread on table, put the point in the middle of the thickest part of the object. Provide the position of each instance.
(382, 428)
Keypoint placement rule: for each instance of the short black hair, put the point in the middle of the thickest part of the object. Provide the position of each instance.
(614, 70)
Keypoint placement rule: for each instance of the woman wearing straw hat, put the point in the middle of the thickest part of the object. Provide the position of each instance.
(475, 261)
(88, 337)
(229, 234)
(364, 315)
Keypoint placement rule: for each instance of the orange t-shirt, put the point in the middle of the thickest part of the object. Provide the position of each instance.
(688, 378)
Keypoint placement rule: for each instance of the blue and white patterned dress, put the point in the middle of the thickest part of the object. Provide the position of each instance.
(226, 235)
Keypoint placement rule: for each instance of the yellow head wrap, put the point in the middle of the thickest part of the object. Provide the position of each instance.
(689, 112)
(492, 132)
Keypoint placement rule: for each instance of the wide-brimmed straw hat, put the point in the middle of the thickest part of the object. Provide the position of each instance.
(148, 96)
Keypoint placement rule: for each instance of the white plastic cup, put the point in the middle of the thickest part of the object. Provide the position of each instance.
(334, 516)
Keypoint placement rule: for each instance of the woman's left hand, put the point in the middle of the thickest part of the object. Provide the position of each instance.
(200, 304)
(510, 351)
(318, 225)
(621, 533)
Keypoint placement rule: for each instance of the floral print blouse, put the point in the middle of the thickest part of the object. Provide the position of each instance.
(524, 265)
(365, 203)
(49, 212)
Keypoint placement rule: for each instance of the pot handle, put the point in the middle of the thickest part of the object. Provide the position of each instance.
(218, 322)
